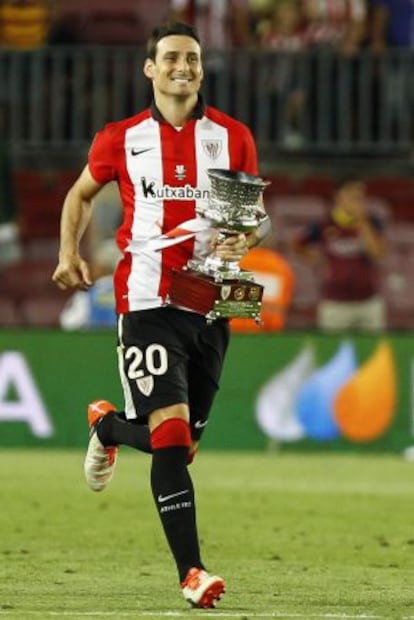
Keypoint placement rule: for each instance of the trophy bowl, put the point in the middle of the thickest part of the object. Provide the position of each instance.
(234, 200)
(216, 287)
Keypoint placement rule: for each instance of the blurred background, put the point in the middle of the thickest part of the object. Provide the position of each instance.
(327, 88)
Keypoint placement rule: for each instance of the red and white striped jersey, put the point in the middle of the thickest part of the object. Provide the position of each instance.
(162, 176)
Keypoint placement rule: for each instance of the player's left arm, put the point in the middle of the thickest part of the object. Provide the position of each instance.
(262, 231)
(250, 165)
(237, 246)
(72, 270)
(373, 236)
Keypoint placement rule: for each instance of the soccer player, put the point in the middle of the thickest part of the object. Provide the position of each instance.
(348, 246)
(170, 359)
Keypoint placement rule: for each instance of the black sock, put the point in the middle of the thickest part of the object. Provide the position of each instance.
(173, 493)
(115, 429)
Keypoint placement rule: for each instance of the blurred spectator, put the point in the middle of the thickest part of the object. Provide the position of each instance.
(24, 23)
(222, 24)
(273, 272)
(338, 24)
(284, 32)
(391, 25)
(260, 15)
(347, 247)
(260, 11)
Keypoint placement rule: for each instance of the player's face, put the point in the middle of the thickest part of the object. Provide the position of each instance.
(351, 197)
(177, 69)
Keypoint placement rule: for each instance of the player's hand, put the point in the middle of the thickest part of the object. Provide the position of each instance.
(72, 273)
(232, 248)
(357, 212)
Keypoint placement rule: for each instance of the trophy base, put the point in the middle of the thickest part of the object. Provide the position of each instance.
(201, 293)
(219, 270)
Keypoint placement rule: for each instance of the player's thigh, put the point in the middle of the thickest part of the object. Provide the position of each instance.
(152, 363)
(204, 373)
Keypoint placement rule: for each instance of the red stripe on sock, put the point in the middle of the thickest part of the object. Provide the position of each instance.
(172, 432)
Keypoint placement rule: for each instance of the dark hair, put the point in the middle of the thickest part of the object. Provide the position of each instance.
(348, 179)
(166, 30)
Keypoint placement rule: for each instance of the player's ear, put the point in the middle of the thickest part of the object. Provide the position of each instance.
(149, 68)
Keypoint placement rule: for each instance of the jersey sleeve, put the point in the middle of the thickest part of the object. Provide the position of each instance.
(101, 157)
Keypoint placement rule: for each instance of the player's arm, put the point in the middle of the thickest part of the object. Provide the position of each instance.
(307, 243)
(375, 243)
(72, 271)
(251, 166)
(262, 231)
(237, 246)
(370, 229)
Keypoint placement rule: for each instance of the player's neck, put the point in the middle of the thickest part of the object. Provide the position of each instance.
(176, 111)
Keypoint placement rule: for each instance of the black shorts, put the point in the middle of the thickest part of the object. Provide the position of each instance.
(169, 356)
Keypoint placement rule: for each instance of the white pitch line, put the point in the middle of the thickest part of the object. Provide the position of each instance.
(212, 613)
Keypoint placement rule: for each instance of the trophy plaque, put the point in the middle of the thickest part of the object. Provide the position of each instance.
(215, 287)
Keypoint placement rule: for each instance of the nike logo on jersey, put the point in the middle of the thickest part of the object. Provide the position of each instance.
(165, 498)
(140, 151)
(200, 424)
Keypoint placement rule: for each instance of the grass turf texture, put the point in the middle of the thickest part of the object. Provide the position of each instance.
(295, 536)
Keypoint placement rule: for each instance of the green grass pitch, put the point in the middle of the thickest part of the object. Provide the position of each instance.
(319, 536)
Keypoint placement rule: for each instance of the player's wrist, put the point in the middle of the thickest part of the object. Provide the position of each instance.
(262, 231)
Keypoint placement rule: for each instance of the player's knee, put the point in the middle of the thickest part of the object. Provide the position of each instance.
(192, 451)
(191, 456)
(171, 433)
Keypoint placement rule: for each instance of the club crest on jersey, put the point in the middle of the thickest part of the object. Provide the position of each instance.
(146, 385)
(180, 172)
(212, 148)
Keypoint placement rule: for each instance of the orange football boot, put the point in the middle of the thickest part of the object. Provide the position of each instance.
(100, 460)
(201, 589)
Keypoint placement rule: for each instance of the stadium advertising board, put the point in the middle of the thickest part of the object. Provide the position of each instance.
(288, 390)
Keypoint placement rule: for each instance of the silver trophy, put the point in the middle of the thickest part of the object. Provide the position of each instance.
(233, 208)
(215, 287)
